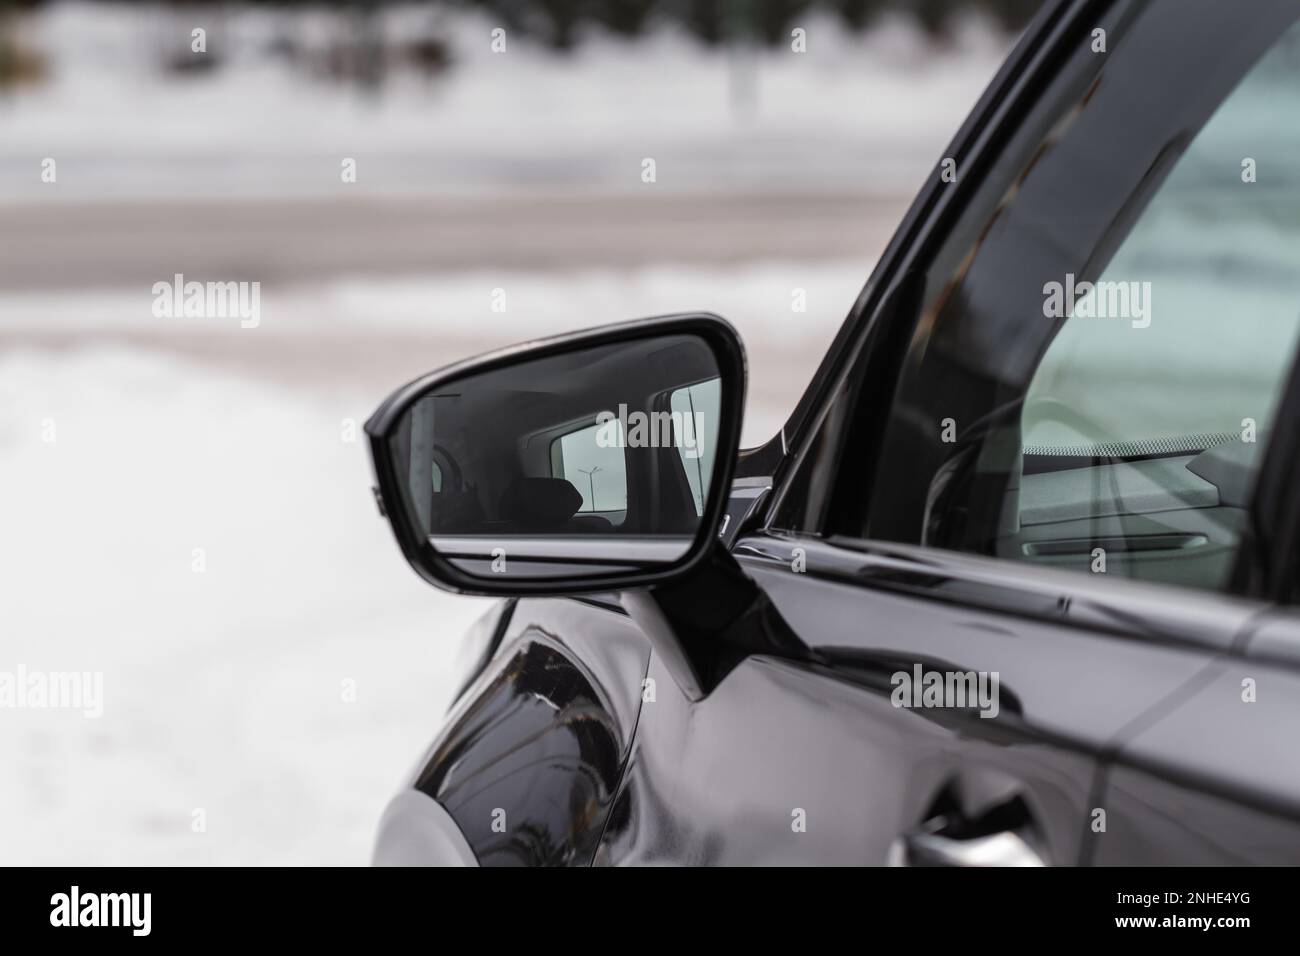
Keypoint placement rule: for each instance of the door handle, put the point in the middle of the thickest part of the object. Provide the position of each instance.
(926, 848)
(1004, 835)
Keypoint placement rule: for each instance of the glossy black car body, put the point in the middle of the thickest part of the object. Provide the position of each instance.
(1122, 737)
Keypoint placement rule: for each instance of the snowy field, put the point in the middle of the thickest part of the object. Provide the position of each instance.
(375, 334)
(223, 687)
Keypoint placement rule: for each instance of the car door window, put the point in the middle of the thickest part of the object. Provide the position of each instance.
(695, 410)
(589, 460)
(1093, 384)
(1143, 425)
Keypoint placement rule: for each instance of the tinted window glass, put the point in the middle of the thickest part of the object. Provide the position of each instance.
(1092, 383)
(596, 468)
(695, 411)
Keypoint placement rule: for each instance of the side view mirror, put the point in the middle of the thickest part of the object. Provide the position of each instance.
(595, 461)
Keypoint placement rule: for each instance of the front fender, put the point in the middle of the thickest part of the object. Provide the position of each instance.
(526, 768)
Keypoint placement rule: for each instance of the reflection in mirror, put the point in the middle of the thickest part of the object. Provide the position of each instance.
(600, 457)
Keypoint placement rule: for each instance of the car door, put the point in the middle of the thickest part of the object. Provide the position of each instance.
(999, 480)
(1212, 779)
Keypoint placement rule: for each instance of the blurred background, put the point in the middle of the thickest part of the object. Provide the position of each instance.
(185, 503)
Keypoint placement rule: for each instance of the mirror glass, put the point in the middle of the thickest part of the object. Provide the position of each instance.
(594, 461)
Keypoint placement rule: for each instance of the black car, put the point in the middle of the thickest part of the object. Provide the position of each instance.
(1014, 584)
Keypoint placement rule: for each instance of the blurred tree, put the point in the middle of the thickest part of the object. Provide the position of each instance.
(558, 23)
(775, 18)
(562, 18)
(706, 19)
(1012, 14)
(933, 15)
(554, 22)
(856, 14)
(626, 17)
(18, 64)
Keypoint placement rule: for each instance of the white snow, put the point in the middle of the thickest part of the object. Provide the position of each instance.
(223, 689)
(455, 313)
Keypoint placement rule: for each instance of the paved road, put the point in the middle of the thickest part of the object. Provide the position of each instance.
(70, 249)
(52, 246)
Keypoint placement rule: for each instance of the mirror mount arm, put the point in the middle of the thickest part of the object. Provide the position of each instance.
(705, 624)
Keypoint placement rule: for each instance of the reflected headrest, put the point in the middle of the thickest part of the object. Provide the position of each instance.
(540, 502)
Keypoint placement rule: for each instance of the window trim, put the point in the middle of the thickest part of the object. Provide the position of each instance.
(1181, 619)
(977, 145)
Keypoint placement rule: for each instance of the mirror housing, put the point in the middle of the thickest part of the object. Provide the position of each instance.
(595, 461)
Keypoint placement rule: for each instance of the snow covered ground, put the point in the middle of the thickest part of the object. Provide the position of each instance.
(210, 544)
(374, 334)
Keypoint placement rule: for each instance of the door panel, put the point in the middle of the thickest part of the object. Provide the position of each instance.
(720, 781)
(723, 781)
(1216, 780)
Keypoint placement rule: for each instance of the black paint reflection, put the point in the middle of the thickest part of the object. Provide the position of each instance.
(529, 772)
